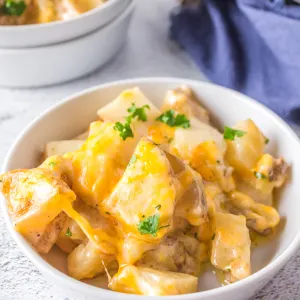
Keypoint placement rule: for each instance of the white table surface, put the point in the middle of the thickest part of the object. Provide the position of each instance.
(148, 53)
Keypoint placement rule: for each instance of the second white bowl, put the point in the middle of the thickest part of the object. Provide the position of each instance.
(41, 66)
(23, 36)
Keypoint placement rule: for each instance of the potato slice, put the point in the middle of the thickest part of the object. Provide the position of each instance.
(62, 147)
(35, 198)
(231, 246)
(183, 101)
(99, 164)
(117, 109)
(86, 261)
(150, 282)
(145, 193)
(191, 203)
(177, 253)
(244, 152)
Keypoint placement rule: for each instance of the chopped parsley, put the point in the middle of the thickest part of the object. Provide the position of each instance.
(267, 141)
(218, 162)
(158, 207)
(133, 159)
(68, 232)
(170, 119)
(13, 8)
(52, 163)
(259, 175)
(150, 225)
(139, 112)
(143, 216)
(108, 213)
(213, 237)
(124, 129)
(196, 235)
(231, 134)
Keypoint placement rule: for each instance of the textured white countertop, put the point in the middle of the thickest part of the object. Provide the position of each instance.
(147, 53)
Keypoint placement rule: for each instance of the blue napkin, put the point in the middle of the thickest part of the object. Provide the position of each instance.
(252, 46)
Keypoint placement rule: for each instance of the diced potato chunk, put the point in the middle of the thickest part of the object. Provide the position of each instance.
(177, 253)
(183, 101)
(86, 261)
(231, 246)
(34, 198)
(116, 110)
(146, 189)
(191, 203)
(150, 282)
(244, 152)
(187, 139)
(100, 162)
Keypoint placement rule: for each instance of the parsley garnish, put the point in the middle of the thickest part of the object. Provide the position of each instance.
(213, 237)
(218, 162)
(170, 119)
(133, 159)
(139, 112)
(231, 134)
(68, 232)
(150, 225)
(158, 207)
(267, 141)
(13, 8)
(259, 175)
(52, 163)
(124, 129)
(196, 235)
(107, 213)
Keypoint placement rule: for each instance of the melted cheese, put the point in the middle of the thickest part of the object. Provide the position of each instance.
(231, 245)
(100, 162)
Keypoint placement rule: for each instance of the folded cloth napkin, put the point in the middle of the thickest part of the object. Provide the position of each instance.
(252, 46)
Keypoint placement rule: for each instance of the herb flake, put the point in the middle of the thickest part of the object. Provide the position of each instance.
(213, 237)
(170, 119)
(139, 112)
(68, 232)
(259, 175)
(124, 129)
(231, 134)
(158, 207)
(267, 141)
(13, 8)
(52, 163)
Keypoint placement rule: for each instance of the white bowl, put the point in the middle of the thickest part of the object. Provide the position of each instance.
(227, 108)
(40, 66)
(60, 31)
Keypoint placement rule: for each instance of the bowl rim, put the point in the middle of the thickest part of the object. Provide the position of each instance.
(74, 284)
(91, 12)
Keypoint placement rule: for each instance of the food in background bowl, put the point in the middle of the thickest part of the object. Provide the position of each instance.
(147, 196)
(21, 12)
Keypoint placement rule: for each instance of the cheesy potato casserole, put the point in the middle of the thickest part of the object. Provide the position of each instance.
(148, 196)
